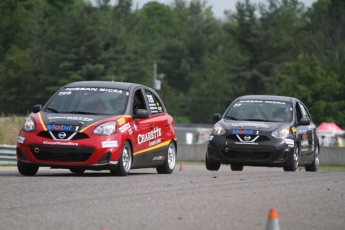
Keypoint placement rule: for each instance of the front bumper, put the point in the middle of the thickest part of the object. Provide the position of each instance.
(224, 151)
(87, 154)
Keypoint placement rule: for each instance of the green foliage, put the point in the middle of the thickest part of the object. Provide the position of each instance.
(316, 87)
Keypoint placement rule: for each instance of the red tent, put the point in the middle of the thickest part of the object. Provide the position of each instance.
(328, 126)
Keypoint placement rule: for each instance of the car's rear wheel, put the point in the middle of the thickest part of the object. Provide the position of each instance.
(294, 164)
(27, 170)
(77, 171)
(211, 166)
(125, 161)
(170, 160)
(315, 165)
(235, 167)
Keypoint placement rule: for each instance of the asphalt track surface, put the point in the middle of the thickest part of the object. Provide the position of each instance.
(193, 198)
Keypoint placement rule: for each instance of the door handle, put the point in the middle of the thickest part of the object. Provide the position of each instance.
(151, 126)
(167, 124)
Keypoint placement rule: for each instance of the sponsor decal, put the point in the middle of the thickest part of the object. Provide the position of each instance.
(71, 118)
(246, 143)
(64, 93)
(155, 133)
(113, 162)
(150, 98)
(257, 124)
(290, 142)
(304, 143)
(158, 158)
(94, 89)
(121, 121)
(293, 129)
(109, 144)
(110, 90)
(130, 131)
(59, 143)
(59, 127)
(152, 143)
(125, 127)
(304, 150)
(261, 101)
(21, 139)
(242, 131)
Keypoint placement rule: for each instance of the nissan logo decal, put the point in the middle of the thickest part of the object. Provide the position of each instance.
(62, 135)
(247, 138)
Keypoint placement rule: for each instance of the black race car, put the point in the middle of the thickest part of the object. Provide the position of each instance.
(264, 130)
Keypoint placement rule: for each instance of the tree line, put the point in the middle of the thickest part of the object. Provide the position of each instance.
(275, 47)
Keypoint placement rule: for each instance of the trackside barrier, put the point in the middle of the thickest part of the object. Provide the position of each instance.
(8, 154)
(197, 152)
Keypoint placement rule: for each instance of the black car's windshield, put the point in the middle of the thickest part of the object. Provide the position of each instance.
(260, 110)
(106, 101)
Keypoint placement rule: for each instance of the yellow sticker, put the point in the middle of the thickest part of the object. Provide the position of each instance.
(293, 129)
(121, 121)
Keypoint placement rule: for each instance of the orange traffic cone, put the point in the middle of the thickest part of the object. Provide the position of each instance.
(272, 222)
(181, 166)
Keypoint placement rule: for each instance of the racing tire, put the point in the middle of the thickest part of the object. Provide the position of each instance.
(170, 160)
(211, 166)
(235, 167)
(77, 171)
(27, 170)
(125, 162)
(294, 164)
(315, 165)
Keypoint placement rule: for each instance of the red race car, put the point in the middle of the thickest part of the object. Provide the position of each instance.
(98, 125)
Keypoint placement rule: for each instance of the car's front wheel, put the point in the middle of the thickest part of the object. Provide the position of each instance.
(211, 166)
(235, 167)
(27, 170)
(125, 161)
(294, 164)
(315, 165)
(170, 160)
(77, 171)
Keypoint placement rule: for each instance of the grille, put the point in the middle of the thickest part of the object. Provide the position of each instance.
(249, 153)
(61, 153)
(78, 136)
(260, 139)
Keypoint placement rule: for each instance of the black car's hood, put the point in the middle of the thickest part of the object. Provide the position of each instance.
(67, 119)
(257, 125)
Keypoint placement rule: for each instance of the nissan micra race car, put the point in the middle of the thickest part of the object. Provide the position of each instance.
(98, 125)
(271, 131)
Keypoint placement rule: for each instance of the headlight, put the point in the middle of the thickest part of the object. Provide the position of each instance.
(29, 125)
(104, 129)
(218, 130)
(282, 132)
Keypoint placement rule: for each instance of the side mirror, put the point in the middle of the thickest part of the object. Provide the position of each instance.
(304, 121)
(36, 108)
(141, 113)
(217, 116)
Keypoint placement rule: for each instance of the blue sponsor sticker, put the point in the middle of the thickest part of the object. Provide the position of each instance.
(243, 131)
(59, 127)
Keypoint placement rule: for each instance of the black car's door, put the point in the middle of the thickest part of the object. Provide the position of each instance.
(305, 134)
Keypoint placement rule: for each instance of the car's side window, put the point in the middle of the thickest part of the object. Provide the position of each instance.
(154, 103)
(306, 111)
(303, 111)
(138, 101)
